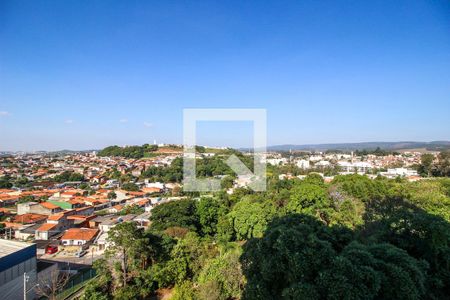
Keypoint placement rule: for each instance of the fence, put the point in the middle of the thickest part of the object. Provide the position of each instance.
(77, 282)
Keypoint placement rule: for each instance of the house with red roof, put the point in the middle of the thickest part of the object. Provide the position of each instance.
(116, 208)
(4, 212)
(55, 224)
(6, 199)
(44, 208)
(30, 218)
(47, 230)
(78, 236)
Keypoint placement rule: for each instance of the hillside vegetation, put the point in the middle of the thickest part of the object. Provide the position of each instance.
(353, 238)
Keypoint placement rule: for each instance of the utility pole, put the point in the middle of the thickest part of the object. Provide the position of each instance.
(25, 279)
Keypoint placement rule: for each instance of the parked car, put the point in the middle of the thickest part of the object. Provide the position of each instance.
(80, 253)
(51, 249)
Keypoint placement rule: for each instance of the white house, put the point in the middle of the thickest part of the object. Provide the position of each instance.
(78, 236)
(303, 164)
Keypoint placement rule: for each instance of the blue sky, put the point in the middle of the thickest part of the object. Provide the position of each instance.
(86, 74)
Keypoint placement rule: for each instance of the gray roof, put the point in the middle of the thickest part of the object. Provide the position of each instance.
(8, 247)
(113, 219)
(31, 229)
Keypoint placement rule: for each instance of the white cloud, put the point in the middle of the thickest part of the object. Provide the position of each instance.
(148, 124)
(68, 121)
(124, 120)
(4, 113)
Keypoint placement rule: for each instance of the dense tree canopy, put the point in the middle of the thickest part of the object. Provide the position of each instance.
(300, 258)
(205, 167)
(181, 213)
(128, 152)
(172, 173)
(68, 176)
(130, 186)
(208, 210)
(352, 238)
(435, 166)
(5, 183)
(249, 218)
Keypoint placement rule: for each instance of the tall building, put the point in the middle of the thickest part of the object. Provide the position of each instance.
(17, 258)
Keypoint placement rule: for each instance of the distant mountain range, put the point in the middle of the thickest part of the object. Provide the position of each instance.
(431, 146)
(56, 152)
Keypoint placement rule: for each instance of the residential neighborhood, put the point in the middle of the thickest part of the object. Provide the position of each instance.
(224, 150)
(73, 200)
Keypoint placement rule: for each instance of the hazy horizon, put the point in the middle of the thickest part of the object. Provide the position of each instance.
(221, 146)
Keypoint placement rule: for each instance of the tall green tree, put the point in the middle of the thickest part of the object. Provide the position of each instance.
(208, 210)
(130, 186)
(442, 167)
(298, 258)
(426, 162)
(180, 213)
(307, 197)
(249, 218)
(5, 183)
(112, 195)
(424, 236)
(127, 245)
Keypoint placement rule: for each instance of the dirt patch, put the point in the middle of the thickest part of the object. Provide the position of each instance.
(163, 294)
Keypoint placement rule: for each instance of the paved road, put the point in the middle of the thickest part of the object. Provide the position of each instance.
(86, 259)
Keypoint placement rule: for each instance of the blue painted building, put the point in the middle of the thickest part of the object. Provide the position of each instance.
(16, 258)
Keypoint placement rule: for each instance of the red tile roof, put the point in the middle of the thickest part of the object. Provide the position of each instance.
(143, 202)
(76, 201)
(82, 234)
(56, 217)
(77, 217)
(49, 205)
(70, 193)
(136, 194)
(83, 208)
(5, 211)
(151, 190)
(118, 207)
(12, 225)
(6, 197)
(46, 227)
(29, 218)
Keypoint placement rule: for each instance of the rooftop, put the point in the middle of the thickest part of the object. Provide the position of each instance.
(49, 205)
(56, 217)
(113, 219)
(46, 227)
(8, 247)
(84, 234)
(30, 229)
(29, 218)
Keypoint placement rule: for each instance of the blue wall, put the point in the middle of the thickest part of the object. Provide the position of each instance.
(17, 257)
